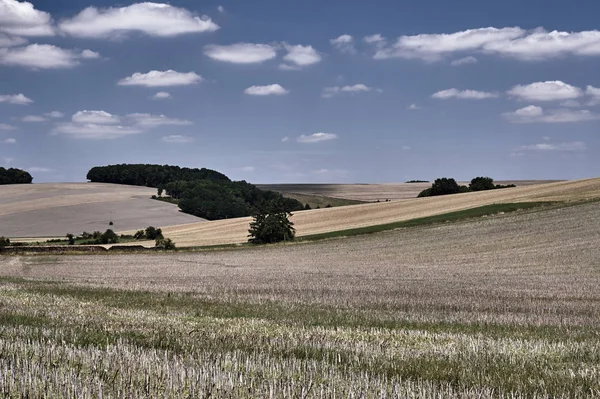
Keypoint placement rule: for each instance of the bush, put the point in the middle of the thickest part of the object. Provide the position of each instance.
(482, 183)
(164, 243)
(4, 242)
(152, 233)
(71, 239)
(443, 186)
(139, 235)
(271, 225)
(109, 237)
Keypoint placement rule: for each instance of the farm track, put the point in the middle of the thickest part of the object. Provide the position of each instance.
(334, 219)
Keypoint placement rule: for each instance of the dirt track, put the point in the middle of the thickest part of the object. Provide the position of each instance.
(342, 218)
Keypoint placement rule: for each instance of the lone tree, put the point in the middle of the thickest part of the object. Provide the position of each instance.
(271, 224)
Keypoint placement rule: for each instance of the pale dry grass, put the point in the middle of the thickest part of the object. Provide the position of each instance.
(333, 219)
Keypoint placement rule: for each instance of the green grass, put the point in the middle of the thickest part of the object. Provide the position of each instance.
(478, 212)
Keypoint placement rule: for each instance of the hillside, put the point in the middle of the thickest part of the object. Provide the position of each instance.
(44, 210)
(333, 219)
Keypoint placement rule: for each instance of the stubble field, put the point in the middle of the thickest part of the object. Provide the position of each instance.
(504, 306)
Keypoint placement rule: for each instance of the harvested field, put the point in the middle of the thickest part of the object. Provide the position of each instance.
(333, 219)
(505, 306)
(372, 192)
(50, 210)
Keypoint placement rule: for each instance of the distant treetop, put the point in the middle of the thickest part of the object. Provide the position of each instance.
(418, 181)
(151, 175)
(14, 176)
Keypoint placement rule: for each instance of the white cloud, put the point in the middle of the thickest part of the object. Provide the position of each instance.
(535, 114)
(11, 41)
(33, 119)
(54, 114)
(274, 89)
(37, 169)
(95, 132)
(154, 19)
(593, 92)
(4, 126)
(463, 94)
(464, 61)
(413, 107)
(406, 148)
(544, 147)
(316, 137)
(149, 121)
(571, 104)
(344, 43)
(98, 125)
(374, 39)
(89, 54)
(288, 67)
(161, 79)
(19, 99)
(545, 91)
(42, 56)
(177, 139)
(10, 140)
(301, 56)
(329, 92)
(241, 53)
(95, 118)
(22, 19)
(514, 42)
(285, 139)
(162, 95)
(221, 9)
(248, 169)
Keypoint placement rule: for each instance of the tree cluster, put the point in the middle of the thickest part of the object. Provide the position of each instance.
(14, 176)
(271, 224)
(445, 186)
(201, 192)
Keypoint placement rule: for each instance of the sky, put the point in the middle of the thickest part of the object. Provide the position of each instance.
(303, 91)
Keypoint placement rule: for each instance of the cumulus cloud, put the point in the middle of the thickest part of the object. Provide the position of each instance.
(99, 125)
(89, 54)
(241, 53)
(413, 107)
(95, 117)
(54, 114)
(545, 91)
(274, 89)
(5, 126)
(22, 19)
(299, 56)
(33, 119)
(19, 99)
(535, 114)
(344, 43)
(514, 42)
(153, 19)
(41, 56)
(11, 41)
(10, 140)
(593, 92)
(329, 92)
(374, 39)
(221, 9)
(546, 147)
(463, 94)
(464, 61)
(161, 79)
(316, 137)
(162, 95)
(177, 139)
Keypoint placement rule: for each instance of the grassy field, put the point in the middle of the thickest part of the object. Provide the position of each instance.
(318, 201)
(321, 221)
(491, 307)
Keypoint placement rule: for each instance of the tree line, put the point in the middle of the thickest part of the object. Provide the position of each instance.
(445, 186)
(14, 176)
(201, 192)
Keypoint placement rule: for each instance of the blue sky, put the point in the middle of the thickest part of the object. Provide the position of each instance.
(302, 91)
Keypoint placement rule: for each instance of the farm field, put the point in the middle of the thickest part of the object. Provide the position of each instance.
(321, 221)
(505, 306)
(49, 210)
(371, 192)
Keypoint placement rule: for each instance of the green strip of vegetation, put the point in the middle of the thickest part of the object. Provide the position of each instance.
(485, 210)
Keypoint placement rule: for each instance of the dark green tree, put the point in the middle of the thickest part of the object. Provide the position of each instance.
(481, 183)
(4, 242)
(71, 239)
(271, 224)
(109, 237)
(152, 233)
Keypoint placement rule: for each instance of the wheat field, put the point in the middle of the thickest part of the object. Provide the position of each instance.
(499, 307)
(333, 219)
